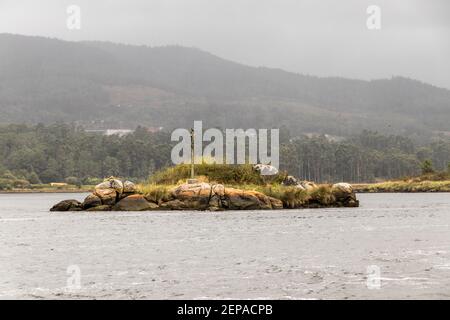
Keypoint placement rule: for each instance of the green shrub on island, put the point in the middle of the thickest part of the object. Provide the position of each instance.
(218, 173)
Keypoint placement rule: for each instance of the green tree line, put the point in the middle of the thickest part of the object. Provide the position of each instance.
(62, 152)
(362, 158)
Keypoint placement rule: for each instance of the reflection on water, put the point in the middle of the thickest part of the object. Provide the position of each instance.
(288, 254)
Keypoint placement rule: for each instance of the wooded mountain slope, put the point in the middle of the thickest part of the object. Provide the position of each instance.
(111, 85)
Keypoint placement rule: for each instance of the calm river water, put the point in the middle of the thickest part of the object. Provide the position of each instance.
(288, 254)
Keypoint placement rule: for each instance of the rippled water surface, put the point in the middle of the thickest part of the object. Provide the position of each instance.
(288, 254)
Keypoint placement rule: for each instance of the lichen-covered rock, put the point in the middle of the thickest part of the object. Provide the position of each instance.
(217, 197)
(236, 199)
(342, 188)
(196, 196)
(342, 191)
(276, 203)
(344, 194)
(218, 190)
(178, 204)
(308, 185)
(265, 169)
(192, 190)
(290, 181)
(103, 185)
(203, 196)
(215, 203)
(134, 202)
(91, 201)
(117, 185)
(111, 183)
(129, 187)
(67, 205)
(294, 182)
(108, 196)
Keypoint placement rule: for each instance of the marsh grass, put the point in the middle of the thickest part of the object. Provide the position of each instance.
(322, 195)
(290, 196)
(154, 192)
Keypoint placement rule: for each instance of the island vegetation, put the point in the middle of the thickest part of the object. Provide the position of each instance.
(215, 188)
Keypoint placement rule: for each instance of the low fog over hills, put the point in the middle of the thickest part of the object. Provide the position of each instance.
(100, 84)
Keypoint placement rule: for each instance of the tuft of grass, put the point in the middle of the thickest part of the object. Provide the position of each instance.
(155, 193)
(291, 197)
(217, 173)
(322, 195)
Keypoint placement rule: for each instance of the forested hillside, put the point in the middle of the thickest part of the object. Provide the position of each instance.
(61, 152)
(97, 84)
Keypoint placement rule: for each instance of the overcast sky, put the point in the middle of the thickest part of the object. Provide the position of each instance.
(317, 37)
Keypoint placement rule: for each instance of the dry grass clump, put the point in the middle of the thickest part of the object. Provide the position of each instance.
(322, 195)
(154, 192)
(291, 197)
(218, 173)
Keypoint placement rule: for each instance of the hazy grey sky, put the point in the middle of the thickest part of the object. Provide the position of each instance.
(318, 37)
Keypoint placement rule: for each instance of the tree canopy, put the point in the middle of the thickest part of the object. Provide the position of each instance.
(62, 152)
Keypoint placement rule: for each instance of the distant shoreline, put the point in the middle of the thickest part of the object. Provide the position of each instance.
(45, 191)
(399, 186)
(427, 186)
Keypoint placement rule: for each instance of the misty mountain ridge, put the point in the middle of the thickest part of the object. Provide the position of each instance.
(101, 84)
